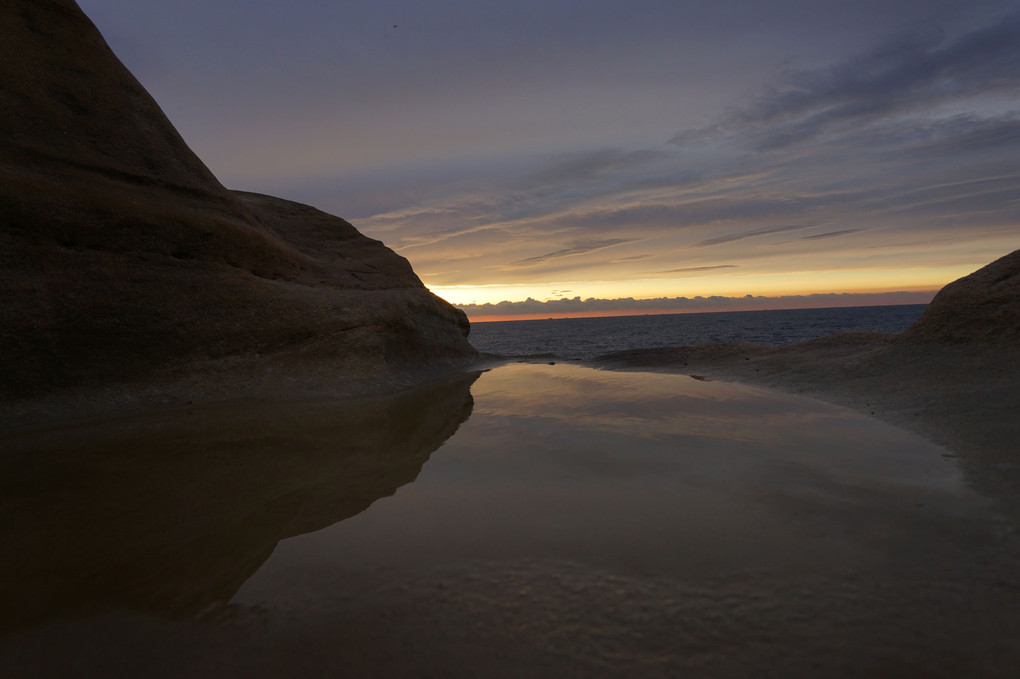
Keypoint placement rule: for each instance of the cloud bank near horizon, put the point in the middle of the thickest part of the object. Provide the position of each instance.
(630, 305)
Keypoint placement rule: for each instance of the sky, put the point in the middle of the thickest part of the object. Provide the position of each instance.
(573, 157)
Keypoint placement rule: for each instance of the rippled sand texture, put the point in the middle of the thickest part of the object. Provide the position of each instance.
(579, 523)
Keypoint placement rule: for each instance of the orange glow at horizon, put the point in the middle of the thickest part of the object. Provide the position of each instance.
(773, 304)
(765, 284)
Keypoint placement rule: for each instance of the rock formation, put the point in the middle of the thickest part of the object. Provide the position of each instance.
(982, 307)
(124, 261)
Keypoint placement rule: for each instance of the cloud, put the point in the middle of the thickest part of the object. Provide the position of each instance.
(690, 269)
(751, 234)
(947, 137)
(575, 249)
(910, 150)
(738, 203)
(624, 305)
(830, 234)
(910, 75)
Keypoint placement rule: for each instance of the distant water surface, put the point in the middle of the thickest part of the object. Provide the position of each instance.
(555, 521)
(583, 338)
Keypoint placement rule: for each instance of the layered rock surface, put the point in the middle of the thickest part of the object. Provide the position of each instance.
(124, 260)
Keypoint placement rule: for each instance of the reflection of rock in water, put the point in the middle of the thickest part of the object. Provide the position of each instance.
(170, 514)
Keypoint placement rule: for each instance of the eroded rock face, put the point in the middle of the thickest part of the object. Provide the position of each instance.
(122, 258)
(984, 306)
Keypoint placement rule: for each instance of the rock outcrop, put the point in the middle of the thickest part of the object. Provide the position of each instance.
(124, 261)
(982, 307)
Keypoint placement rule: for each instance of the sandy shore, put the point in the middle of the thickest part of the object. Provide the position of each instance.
(963, 396)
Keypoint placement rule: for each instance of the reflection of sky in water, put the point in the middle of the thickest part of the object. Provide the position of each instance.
(657, 472)
(574, 522)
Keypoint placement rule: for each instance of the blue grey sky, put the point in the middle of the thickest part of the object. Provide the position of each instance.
(607, 148)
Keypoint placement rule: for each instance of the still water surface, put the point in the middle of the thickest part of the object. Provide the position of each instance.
(587, 338)
(562, 521)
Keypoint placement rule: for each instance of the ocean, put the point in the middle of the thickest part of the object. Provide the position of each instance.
(584, 338)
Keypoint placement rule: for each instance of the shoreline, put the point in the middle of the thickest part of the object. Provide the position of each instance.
(952, 394)
(960, 396)
(277, 380)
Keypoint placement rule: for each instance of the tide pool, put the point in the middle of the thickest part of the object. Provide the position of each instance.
(534, 520)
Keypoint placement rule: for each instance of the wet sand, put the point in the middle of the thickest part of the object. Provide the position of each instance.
(961, 395)
(577, 523)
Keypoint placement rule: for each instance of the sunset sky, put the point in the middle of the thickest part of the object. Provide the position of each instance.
(649, 150)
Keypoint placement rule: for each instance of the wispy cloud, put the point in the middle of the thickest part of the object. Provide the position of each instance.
(730, 238)
(830, 234)
(916, 141)
(912, 74)
(575, 249)
(691, 269)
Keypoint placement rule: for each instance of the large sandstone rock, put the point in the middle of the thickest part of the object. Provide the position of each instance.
(982, 307)
(123, 259)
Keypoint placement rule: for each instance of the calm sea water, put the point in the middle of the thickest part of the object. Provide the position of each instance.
(583, 338)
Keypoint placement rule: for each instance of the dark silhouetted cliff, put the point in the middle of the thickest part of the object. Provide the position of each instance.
(124, 260)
